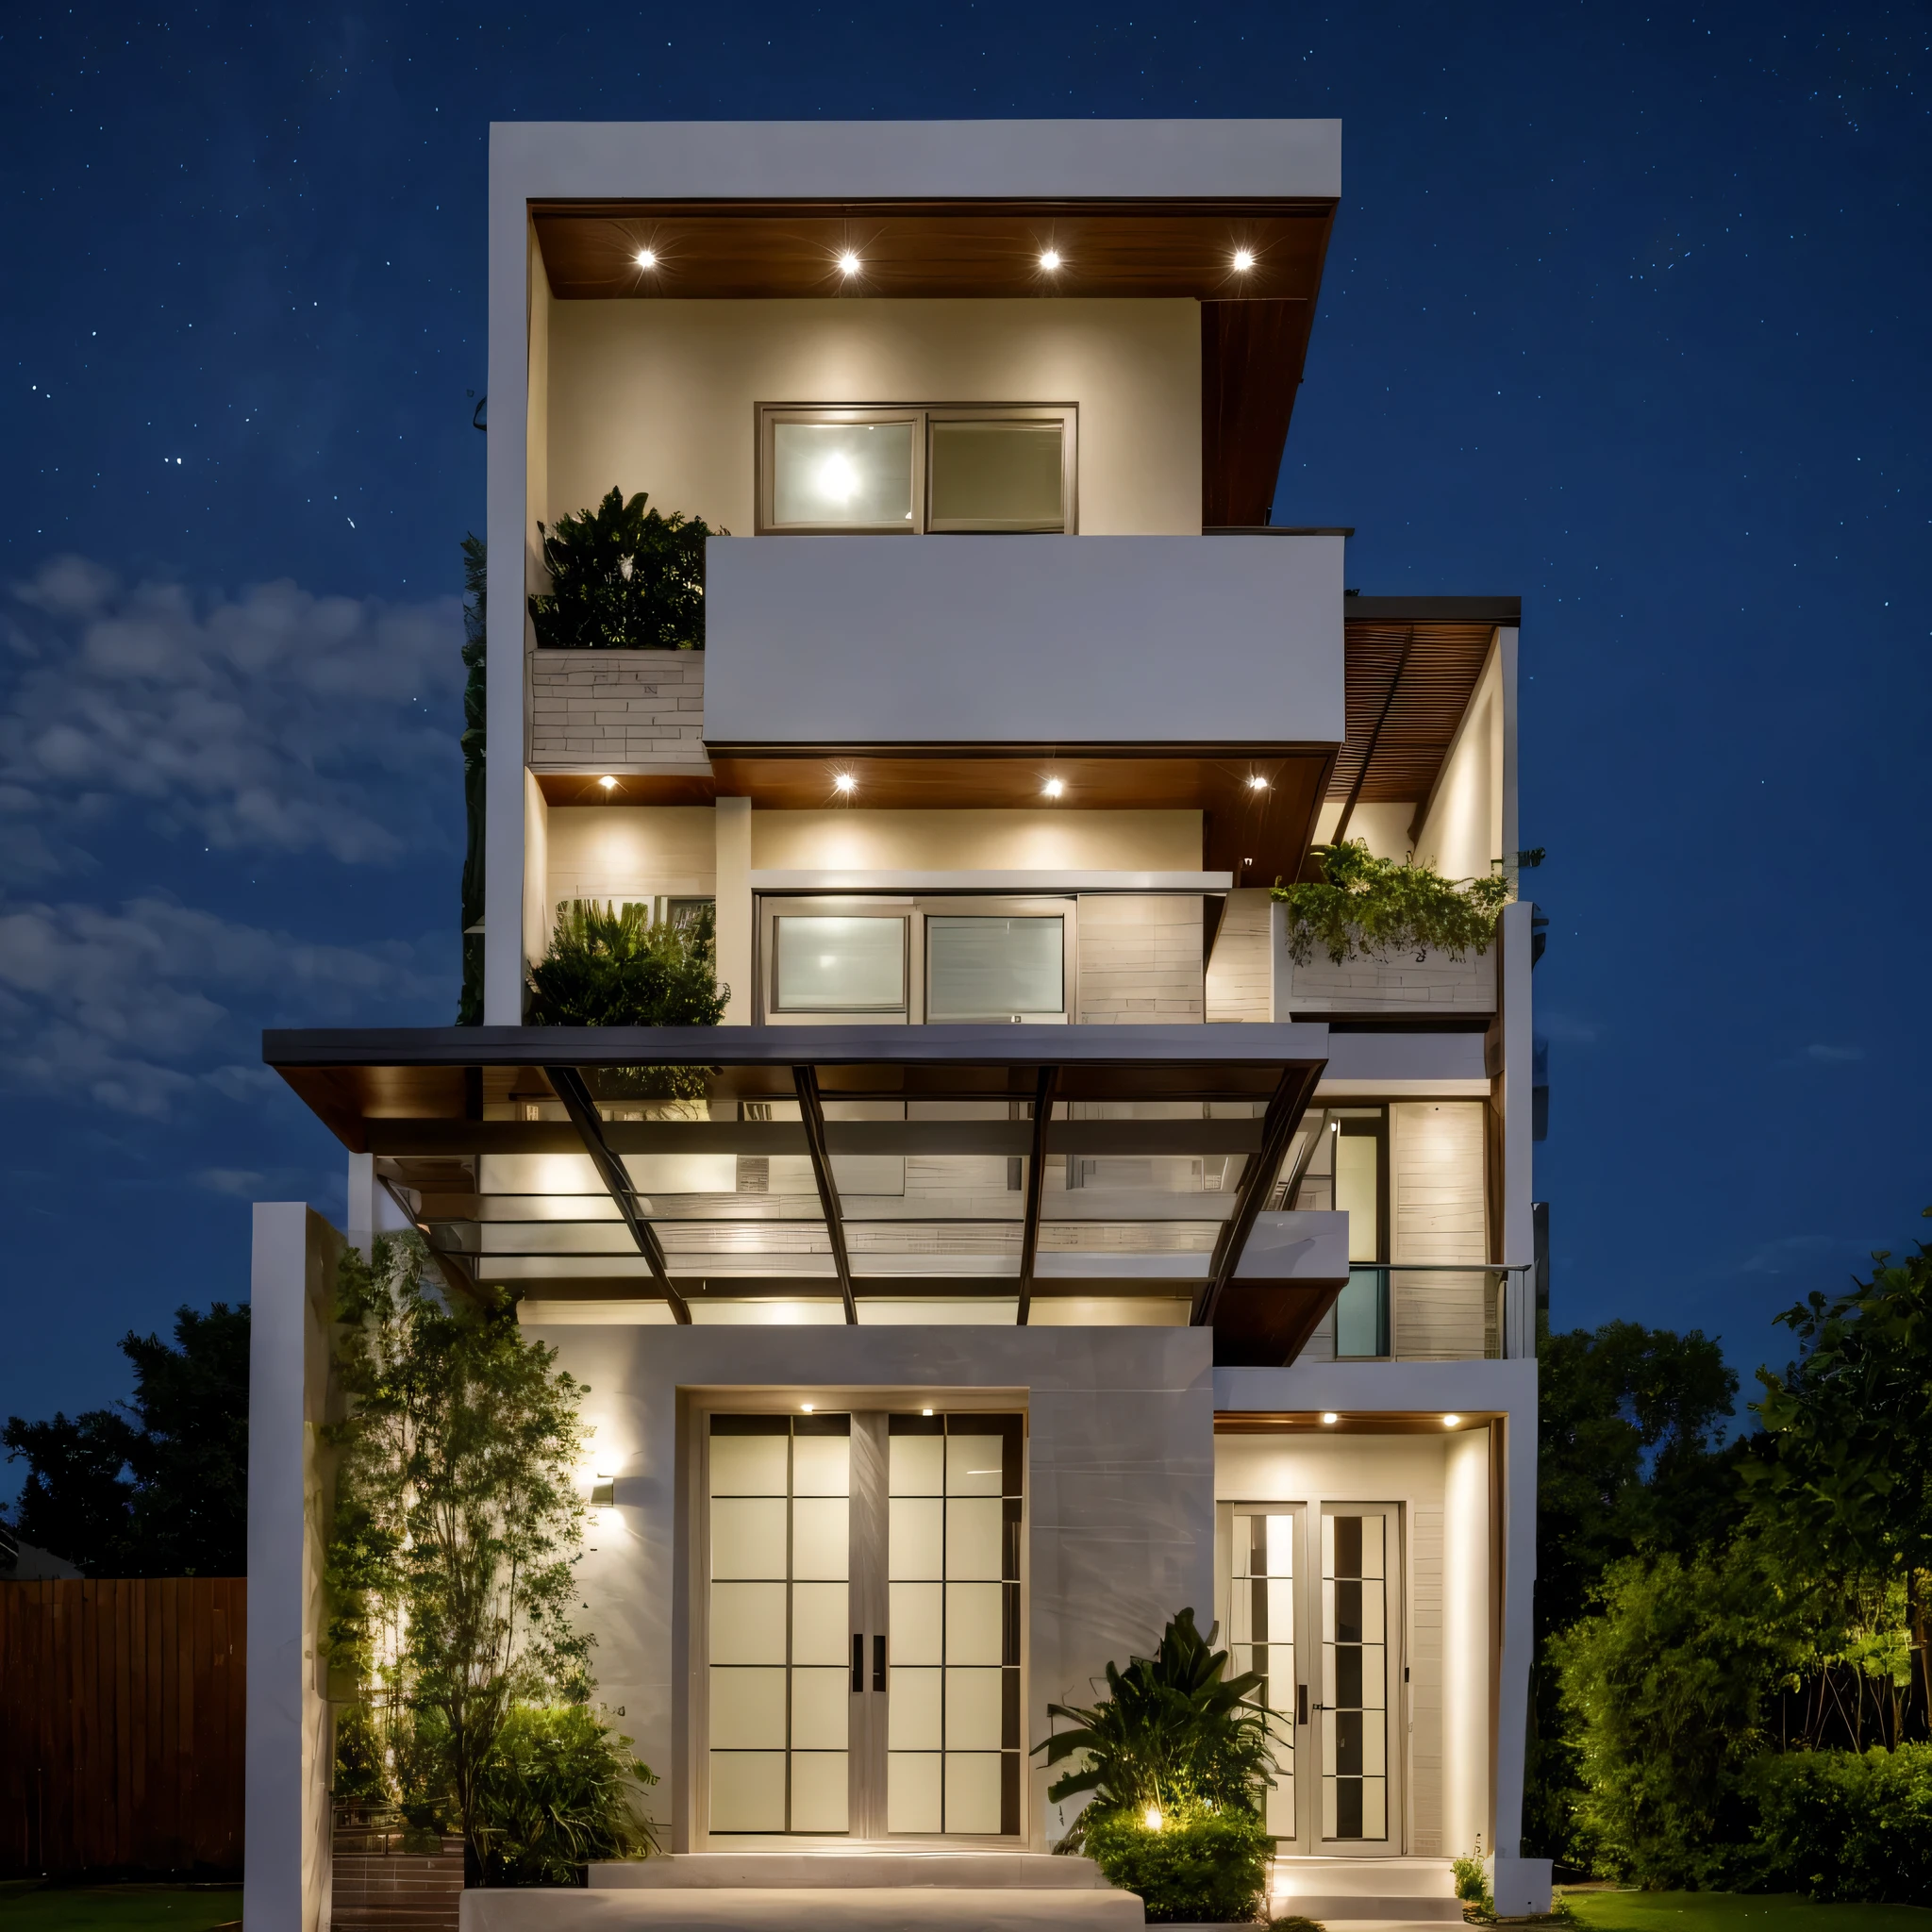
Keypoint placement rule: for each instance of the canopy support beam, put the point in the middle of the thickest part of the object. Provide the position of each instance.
(811, 1110)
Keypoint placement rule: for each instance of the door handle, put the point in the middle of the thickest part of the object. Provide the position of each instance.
(878, 1663)
(1302, 1704)
(857, 1661)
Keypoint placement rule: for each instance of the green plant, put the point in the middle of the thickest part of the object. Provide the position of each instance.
(1173, 1733)
(622, 578)
(1473, 1884)
(457, 1523)
(1294, 1922)
(556, 1791)
(615, 967)
(1368, 908)
(1201, 1866)
(1842, 1826)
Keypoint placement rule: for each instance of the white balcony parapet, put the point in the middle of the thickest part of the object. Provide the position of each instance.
(967, 640)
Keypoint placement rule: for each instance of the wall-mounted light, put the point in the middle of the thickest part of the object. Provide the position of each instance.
(1329, 1419)
(647, 258)
(1050, 258)
(925, 1411)
(806, 1408)
(1243, 261)
(848, 263)
(845, 783)
(603, 1490)
(1053, 788)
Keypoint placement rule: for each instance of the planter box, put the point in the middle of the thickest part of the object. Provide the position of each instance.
(1403, 987)
(620, 711)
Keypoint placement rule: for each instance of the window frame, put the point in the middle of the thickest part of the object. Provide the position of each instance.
(922, 416)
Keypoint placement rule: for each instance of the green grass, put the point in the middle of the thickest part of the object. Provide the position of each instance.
(117, 1908)
(1734, 1911)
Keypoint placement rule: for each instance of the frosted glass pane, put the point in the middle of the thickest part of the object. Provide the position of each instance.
(1372, 1599)
(917, 1531)
(820, 1630)
(1281, 1805)
(975, 1533)
(1374, 1808)
(747, 1709)
(1372, 1527)
(975, 1465)
(1356, 1193)
(1358, 1325)
(912, 1790)
(822, 1466)
(820, 1786)
(1280, 1609)
(1281, 1545)
(998, 473)
(1375, 1746)
(917, 1466)
(1243, 1542)
(973, 1624)
(821, 1537)
(747, 1623)
(748, 1537)
(747, 1790)
(841, 472)
(748, 1465)
(912, 1720)
(1375, 1677)
(973, 1710)
(989, 968)
(1327, 1808)
(821, 1702)
(842, 965)
(972, 1790)
(916, 1632)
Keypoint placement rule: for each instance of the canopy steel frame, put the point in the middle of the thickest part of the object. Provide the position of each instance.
(812, 1112)
(569, 1087)
(1036, 1186)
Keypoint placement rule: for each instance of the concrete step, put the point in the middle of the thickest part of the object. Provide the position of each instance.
(805, 1909)
(858, 1868)
(1413, 1890)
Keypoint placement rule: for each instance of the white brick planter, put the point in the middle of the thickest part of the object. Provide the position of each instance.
(1400, 987)
(617, 711)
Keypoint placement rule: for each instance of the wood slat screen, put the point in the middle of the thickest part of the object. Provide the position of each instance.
(1439, 664)
(122, 1726)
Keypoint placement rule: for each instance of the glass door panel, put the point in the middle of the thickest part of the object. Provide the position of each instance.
(778, 1622)
(1261, 1632)
(1357, 1576)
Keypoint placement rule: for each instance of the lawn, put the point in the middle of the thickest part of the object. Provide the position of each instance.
(1734, 1911)
(118, 1908)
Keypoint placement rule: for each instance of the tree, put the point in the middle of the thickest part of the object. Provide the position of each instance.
(156, 1486)
(457, 1525)
(622, 578)
(474, 740)
(1847, 1484)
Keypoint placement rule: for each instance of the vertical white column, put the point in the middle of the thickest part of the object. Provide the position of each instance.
(1518, 1077)
(1467, 1642)
(734, 909)
(286, 1838)
(1521, 1885)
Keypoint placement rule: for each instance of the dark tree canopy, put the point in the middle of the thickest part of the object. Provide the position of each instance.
(156, 1486)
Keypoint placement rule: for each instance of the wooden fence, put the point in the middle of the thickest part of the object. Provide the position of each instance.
(122, 1726)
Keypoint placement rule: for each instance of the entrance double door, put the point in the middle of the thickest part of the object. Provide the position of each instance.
(1310, 1597)
(862, 1623)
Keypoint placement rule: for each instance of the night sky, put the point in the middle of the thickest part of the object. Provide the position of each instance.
(1624, 314)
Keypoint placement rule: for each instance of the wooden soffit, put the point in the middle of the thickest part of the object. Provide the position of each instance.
(772, 250)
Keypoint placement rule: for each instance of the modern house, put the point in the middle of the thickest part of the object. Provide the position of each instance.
(1048, 1251)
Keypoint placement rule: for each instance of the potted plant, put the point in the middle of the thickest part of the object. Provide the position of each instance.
(622, 578)
(1368, 908)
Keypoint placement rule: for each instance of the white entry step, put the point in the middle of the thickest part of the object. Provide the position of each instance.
(883, 1868)
(1413, 1890)
(803, 1908)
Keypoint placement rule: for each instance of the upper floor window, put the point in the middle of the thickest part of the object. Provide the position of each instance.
(882, 470)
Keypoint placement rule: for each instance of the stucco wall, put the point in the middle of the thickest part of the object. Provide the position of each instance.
(977, 841)
(661, 396)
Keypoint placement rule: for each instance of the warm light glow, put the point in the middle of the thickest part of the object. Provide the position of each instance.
(837, 479)
(1153, 1817)
(925, 1411)
(845, 782)
(1449, 1421)
(646, 258)
(806, 1408)
(1258, 784)
(608, 783)
(1330, 1419)
(1244, 260)
(849, 262)
(1053, 788)
(1051, 258)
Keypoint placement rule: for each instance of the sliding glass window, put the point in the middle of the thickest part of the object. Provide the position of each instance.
(981, 968)
(832, 964)
(882, 470)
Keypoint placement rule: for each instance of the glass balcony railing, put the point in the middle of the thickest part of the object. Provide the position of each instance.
(1362, 1325)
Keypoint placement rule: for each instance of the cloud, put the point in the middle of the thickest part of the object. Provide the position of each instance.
(276, 721)
(1567, 1030)
(141, 1007)
(1832, 1056)
(242, 1182)
(1799, 1252)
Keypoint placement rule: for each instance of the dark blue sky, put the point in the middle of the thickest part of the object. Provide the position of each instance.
(1622, 313)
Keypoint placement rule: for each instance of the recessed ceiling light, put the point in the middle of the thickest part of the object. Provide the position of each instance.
(646, 258)
(1053, 788)
(1330, 1419)
(1258, 784)
(608, 783)
(1449, 1421)
(848, 263)
(1050, 258)
(925, 1411)
(1244, 260)
(845, 782)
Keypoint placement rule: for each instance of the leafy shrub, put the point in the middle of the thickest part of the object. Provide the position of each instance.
(1368, 908)
(1202, 1866)
(1173, 1733)
(622, 578)
(1844, 1827)
(1473, 1884)
(617, 967)
(554, 1792)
